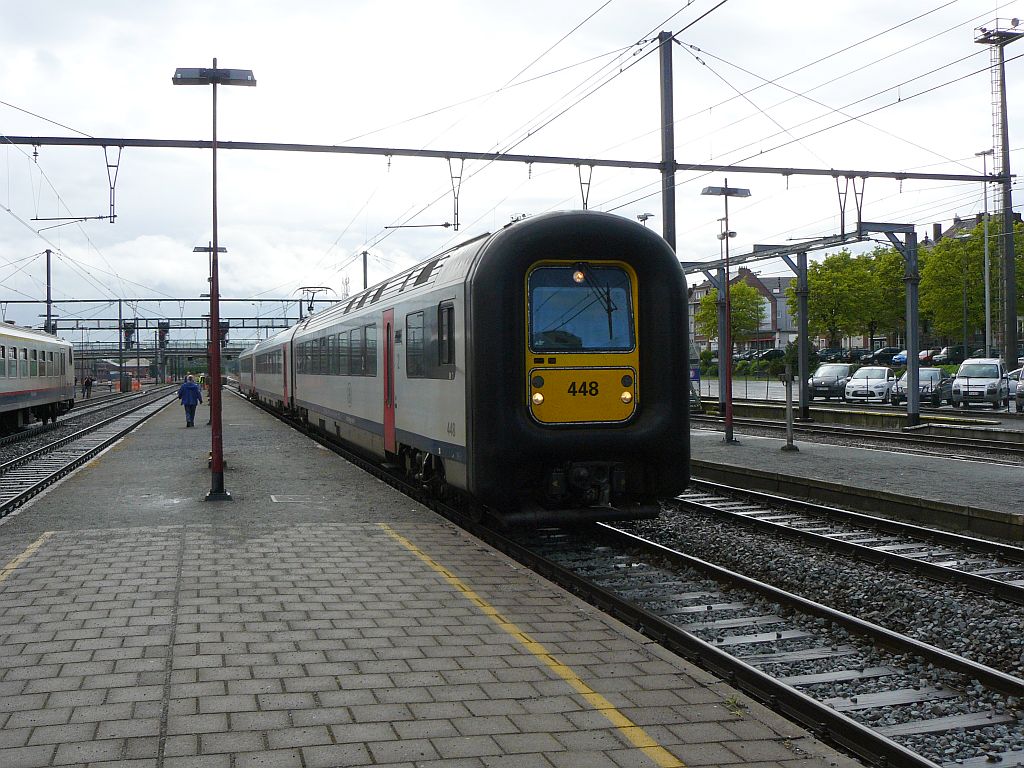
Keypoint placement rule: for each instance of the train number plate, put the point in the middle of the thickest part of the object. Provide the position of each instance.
(582, 395)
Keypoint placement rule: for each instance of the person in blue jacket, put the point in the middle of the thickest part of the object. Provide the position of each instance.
(190, 396)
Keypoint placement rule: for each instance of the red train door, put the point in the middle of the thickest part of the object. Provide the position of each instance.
(390, 443)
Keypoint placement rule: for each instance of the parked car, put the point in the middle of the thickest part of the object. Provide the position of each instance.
(882, 356)
(870, 384)
(981, 380)
(949, 356)
(771, 354)
(1013, 377)
(927, 355)
(832, 355)
(855, 354)
(900, 358)
(934, 385)
(830, 380)
(992, 352)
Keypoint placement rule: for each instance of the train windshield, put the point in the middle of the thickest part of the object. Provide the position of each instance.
(580, 308)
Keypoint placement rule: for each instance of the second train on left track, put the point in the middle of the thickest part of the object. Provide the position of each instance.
(540, 373)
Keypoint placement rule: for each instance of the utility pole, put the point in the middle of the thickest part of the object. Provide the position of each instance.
(668, 140)
(49, 300)
(365, 283)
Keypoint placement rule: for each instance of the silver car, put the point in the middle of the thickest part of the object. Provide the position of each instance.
(981, 380)
(871, 384)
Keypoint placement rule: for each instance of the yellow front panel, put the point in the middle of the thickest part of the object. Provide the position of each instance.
(582, 395)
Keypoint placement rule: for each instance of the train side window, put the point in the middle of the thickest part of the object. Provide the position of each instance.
(332, 354)
(51, 369)
(446, 334)
(355, 352)
(414, 345)
(370, 368)
(343, 353)
(12, 363)
(322, 364)
(33, 362)
(23, 362)
(3, 360)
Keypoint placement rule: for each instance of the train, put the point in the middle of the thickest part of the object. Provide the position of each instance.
(37, 377)
(538, 374)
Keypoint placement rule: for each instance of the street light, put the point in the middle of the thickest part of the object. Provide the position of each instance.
(726, 192)
(963, 242)
(988, 310)
(215, 77)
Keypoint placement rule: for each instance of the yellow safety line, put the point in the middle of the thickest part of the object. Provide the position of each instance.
(11, 566)
(633, 733)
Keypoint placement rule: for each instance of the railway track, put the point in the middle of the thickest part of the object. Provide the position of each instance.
(84, 408)
(952, 446)
(886, 697)
(24, 477)
(983, 566)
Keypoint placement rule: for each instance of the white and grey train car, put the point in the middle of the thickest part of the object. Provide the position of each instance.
(37, 377)
(541, 370)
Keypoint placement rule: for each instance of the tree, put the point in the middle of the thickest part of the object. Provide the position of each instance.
(887, 311)
(839, 289)
(747, 309)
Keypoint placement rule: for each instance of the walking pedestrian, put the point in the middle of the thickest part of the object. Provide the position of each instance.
(190, 396)
(87, 386)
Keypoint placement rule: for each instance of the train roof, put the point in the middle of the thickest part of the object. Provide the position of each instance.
(21, 333)
(448, 266)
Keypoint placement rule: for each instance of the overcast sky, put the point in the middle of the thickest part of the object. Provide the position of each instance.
(866, 85)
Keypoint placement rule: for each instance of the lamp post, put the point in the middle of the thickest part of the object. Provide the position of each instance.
(214, 77)
(726, 192)
(963, 244)
(988, 309)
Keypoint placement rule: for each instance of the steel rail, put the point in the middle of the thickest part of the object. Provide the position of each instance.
(823, 721)
(928, 536)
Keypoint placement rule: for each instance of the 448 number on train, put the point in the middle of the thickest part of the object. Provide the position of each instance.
(583, 388)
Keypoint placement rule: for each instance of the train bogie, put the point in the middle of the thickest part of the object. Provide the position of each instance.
(540, 372)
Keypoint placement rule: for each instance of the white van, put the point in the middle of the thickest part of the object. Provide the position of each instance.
(981, 380)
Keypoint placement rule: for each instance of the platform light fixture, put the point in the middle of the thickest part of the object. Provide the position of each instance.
(725, 192)
(214, 77)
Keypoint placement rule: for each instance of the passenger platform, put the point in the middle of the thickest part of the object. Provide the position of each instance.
(320, 619)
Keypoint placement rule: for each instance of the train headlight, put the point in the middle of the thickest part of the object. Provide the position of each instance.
(626, 397)
(578, 275)
(538, 398)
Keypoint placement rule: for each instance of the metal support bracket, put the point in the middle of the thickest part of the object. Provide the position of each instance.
(585, 183)
(112, 169)
(858, 199)
(456, 188)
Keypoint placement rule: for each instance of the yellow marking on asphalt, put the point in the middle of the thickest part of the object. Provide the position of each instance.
(633, 733)
(12, 566)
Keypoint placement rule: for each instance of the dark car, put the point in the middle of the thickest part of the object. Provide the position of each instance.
(934, 384)
(772, 354)
(832, 355)
(883, 356)
(830, 380)
(949, 356)
(856, 354)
